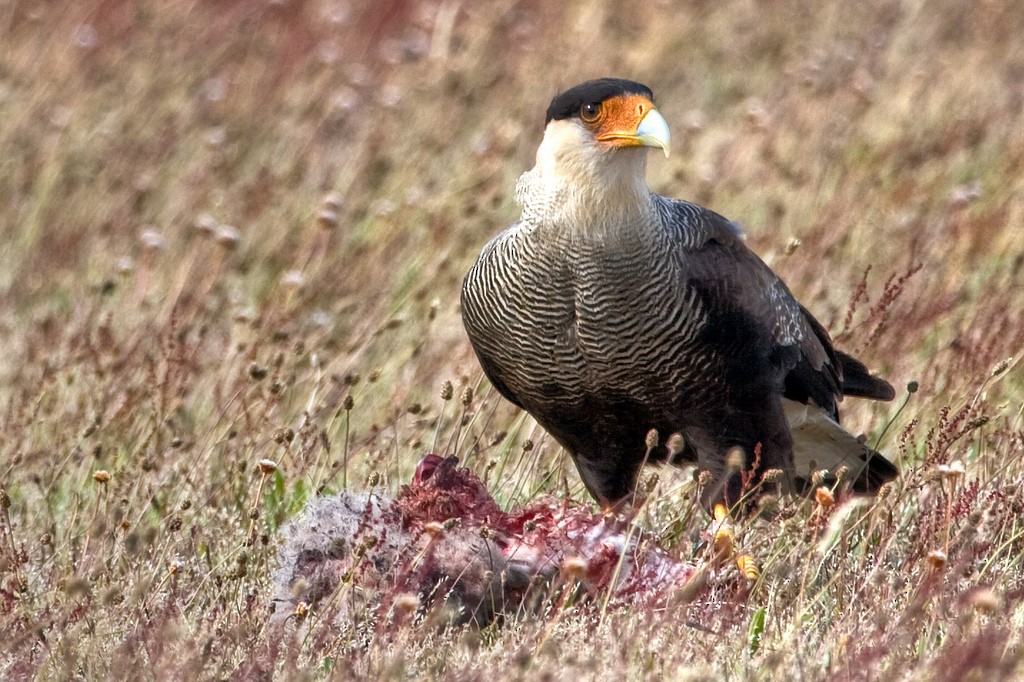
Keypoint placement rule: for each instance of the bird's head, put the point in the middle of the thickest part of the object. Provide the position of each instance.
(595, 140)
(607, 115)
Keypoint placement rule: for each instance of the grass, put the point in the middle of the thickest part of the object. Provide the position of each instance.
(236, 232)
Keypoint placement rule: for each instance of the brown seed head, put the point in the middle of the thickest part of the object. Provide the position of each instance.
(152, 240)
(101, 476)
(651, 440)
(434, 529)
(467, 396)
(937, 559)
(953, 470)
(447, 390)
(824, 497)
(267, 466)
(228, 236)
(205, 225)
(407, 602)
(327, 218)
(735, 460)
(985, 600)
(283, 435)
(676, 444)
(574, 568)
(331, 202)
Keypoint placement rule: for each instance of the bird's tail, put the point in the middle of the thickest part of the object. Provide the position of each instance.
(820, 443)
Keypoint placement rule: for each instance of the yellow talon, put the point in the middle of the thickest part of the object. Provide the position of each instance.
(724, 539)
(748, 566)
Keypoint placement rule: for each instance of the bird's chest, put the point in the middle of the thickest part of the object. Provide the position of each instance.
(618, 319)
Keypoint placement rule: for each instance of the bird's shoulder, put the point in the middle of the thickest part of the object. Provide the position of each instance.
(715, 259)
(739, 288)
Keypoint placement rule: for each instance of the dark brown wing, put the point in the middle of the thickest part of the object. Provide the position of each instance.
(763, 333)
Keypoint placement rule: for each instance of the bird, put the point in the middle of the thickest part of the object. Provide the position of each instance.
(610, 313)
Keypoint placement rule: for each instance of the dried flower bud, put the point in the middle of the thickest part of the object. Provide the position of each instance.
(205, 224)
(228, 236)
(452, 523)
(331, 202)
(953, 470)
(174, 566)
(467, 396)
(152, 240)
(937, 559)
(768, 505)
(772, 475)
(985, 600)
(327, 218)
(301, 610)
(651, 439)
(374, 479)
(1001, 367)
(447, 390)
(257, 372)
(527, 445)
(675, 444)
(912, 387)
(293, 280)
(283, 435)
(348, 403)
(824, 497)
(434, 529)
(267, 466)
(407, 602)
(101, 476)
(373, 376)
(735, 460)
(574, 568)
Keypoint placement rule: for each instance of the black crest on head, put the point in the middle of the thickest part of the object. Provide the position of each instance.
(567, 104)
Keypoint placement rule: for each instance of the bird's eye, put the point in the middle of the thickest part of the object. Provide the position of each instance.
(590, 111)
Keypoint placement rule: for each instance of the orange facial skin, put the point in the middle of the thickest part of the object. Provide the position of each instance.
(617, 119)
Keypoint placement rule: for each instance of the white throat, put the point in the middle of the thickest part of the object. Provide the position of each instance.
(582, 189)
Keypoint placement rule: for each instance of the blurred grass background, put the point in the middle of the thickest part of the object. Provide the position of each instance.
(236, 231)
